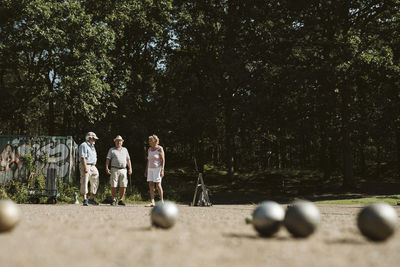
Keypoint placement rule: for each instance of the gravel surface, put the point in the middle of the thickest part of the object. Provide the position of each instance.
(73, 235)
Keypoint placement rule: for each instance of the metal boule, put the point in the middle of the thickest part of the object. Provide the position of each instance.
(248, 219)
(164, 215)
(302, 218)
(377, 221)
(10, 215)
(268, 218)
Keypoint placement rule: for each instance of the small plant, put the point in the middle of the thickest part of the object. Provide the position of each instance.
(134, 196)
(67, 191)
(36, 178)
(28, 160)
(18, 191)
(103, 193)
(40, 181)
(3, 193)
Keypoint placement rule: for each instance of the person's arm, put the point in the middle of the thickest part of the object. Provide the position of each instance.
(84, 164)
(128, 162)
(107, 163)
(162, 154)
(147, 165)
(83, 154)
(108, 158)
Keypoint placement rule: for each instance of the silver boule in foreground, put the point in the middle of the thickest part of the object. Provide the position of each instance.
(164, 215)
(10, 215)
(268, 218)
(302, 218)
(377, 221)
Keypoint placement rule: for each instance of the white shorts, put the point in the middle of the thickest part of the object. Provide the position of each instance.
(91, 176)
(118, 176)
(154, 175)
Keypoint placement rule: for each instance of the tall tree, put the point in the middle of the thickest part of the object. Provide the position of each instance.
(60, 59)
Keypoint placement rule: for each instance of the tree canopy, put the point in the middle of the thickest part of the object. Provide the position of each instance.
(243, 84)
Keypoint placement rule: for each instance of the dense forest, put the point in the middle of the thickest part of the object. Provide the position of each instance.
(244, 85)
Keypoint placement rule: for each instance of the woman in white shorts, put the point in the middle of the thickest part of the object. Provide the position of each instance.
(155, 167)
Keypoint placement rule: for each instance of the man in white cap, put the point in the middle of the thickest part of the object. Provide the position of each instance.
(120, 160)
(87, 168)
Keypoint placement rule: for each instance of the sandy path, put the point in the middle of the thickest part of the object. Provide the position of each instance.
(72, 235)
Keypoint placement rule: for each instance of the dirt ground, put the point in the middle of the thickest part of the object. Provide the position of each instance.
(73, 235)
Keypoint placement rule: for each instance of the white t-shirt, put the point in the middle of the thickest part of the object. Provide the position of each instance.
(118, 157)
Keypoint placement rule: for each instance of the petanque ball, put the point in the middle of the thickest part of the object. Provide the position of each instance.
(164, 215)
(377, 221)
(9, 215)
(248, 219)
(302, 218)
(268, 218)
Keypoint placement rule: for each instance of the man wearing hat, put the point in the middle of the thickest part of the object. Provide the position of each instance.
(120, 160)
(87, 168)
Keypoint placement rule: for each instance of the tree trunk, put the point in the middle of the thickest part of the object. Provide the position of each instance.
(398, 151)
(280, 163)
(363, 165)
(229, 142)
(348, 178)
(324, 157)
(50, 85)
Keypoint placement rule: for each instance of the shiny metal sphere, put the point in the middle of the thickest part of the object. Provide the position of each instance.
(164, 215)
(377, 221)
(268, 218)
(10, 215)
(302, 218)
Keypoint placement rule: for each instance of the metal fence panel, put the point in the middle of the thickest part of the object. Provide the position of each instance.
(60, 153)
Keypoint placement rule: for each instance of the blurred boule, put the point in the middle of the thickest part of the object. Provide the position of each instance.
(164, 215)
(268, 218)
(302, 218)
(10, 215)
(248, 219)
(377, 221)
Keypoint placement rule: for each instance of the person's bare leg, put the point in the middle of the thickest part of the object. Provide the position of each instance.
(151, 187)
(160, 191)
(122, 191)
(113, 192)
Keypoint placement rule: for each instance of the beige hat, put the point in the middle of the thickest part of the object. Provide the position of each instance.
(91, 134)
(118, 138)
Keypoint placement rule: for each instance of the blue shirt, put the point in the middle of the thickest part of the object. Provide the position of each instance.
(87, 151)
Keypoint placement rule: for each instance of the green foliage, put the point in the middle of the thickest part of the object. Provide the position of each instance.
(29, 160)
(3, 193)
(18, 191)
(103, 193)
(35, 169)
(134, 197)
(40, 181)
(67, 192)
(241, 85)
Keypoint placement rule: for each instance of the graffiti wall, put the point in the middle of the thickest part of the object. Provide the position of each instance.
(56, 156)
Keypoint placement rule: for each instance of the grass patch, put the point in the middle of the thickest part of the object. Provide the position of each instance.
(392, 200)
